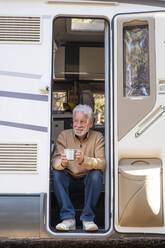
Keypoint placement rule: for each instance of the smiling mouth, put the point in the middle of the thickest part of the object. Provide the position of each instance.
(78, 131)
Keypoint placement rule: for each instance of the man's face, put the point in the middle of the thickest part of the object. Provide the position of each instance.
(81, 124)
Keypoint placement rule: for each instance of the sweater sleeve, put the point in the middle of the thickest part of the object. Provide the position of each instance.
(60, 145)
(98, 161)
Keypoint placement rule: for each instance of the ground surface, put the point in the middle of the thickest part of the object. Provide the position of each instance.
(115, 242)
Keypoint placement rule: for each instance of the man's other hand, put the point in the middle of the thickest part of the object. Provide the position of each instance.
(64, 161)
(79, 156)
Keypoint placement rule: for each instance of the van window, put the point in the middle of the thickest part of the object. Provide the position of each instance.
(136, 61)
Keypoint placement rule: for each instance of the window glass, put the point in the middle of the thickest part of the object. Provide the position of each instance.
(136, 61)
(59, 98)
(99, 109)
(91, 25)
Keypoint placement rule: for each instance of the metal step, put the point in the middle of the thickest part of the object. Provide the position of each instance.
(77, 200)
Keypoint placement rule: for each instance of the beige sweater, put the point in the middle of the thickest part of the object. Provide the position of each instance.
(92, 146)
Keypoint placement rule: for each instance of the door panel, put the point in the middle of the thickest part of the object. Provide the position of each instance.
(139, 107)
(136, 71)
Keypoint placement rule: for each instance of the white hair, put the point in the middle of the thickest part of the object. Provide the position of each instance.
(85, 109)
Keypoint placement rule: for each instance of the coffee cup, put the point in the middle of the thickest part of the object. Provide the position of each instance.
(69, 153)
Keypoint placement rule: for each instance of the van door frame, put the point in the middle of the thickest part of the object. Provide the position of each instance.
(108, 143)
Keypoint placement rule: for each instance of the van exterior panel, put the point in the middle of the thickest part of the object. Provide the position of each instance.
(19, 216)
(140, 193)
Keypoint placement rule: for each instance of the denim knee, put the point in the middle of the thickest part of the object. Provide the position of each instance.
(95, 176)
(58, 175)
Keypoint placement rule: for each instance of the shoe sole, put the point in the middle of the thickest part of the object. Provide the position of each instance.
(90, 229)
(65, 230)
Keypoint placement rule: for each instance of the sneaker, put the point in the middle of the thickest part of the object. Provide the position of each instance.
(89, 226)
(66, 225)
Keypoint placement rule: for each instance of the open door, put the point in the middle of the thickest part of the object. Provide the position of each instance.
(139, 156)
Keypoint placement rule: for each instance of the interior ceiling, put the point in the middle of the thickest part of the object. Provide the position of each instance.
(63, 35)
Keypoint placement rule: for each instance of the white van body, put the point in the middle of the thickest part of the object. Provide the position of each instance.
(134, 125)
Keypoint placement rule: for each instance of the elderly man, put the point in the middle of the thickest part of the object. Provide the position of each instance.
(87, 167)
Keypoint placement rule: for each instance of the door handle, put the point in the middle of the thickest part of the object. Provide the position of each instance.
(150, 120)
(45, 91)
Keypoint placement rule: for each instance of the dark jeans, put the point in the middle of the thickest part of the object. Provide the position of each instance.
(92, 182)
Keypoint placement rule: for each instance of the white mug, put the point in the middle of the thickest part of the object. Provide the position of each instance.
(69, 153)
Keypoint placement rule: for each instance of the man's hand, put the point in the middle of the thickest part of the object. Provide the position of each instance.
(79, 156)
(64, 161)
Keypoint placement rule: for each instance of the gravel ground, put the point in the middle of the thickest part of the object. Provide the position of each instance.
(114, 242)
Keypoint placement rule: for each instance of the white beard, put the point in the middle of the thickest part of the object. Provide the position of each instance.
(80, 132)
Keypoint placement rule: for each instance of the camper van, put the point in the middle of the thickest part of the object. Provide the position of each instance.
(54, 55)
